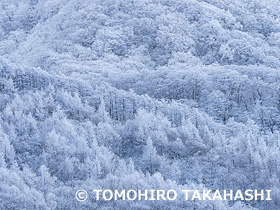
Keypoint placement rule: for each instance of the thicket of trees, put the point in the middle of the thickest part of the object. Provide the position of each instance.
(126, 94)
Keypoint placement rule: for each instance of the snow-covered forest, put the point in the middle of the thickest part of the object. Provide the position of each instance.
(148, 94)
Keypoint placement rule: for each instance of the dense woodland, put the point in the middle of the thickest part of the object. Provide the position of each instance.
(150, 94)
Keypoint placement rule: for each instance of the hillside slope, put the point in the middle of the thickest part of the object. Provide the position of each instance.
(152, 94)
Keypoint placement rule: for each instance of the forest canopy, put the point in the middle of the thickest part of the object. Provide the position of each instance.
(121, 94)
